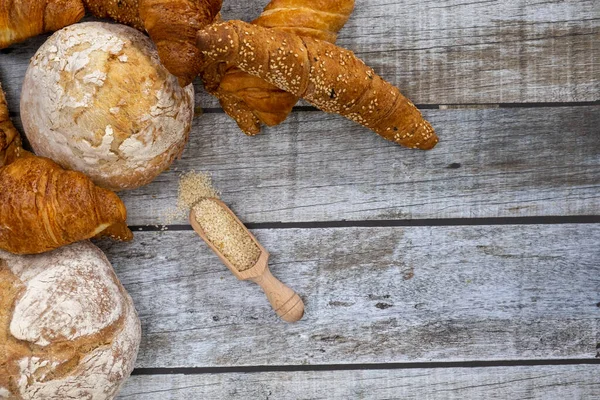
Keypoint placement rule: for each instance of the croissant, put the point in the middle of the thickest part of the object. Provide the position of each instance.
(171, 24)
(123, 11)
(329, 77)
(43, 206)
(10, 141)
(21, 19)
(252, 101)
(319, 19)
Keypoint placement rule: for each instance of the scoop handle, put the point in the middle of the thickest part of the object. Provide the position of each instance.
(286, 303)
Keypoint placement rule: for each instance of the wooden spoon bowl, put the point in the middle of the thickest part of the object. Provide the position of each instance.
(286, 303)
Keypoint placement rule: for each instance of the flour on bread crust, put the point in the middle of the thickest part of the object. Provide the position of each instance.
(74, 332)
(96, 99)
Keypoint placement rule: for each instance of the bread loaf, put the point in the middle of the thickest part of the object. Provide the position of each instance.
(68, 329)
(97, 100)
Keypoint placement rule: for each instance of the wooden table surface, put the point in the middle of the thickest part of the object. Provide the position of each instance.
(470, 271)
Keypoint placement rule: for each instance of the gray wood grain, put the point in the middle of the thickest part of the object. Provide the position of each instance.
(539, 382)
(372, 295)
(319, 167)
(448, 51)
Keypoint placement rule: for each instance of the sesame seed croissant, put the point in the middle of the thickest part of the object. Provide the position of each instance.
(329, 77)
(43, 206)
(252, 101)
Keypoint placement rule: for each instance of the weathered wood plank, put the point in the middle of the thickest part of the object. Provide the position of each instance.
(449, 51)
(538, 382)
(456, 51)
(490, 163)
(318, 167)
(372, 295)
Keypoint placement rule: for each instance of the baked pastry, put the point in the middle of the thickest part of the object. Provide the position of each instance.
(123, 11)
(252, 101)
(172, 25)
(96, 99)
(329, 77)
(43, 207)
(10, 140)
(22, 19)
(68, 328)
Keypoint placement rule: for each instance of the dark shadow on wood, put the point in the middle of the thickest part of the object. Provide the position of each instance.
(347, 367)
(542, 220)
(219, 110)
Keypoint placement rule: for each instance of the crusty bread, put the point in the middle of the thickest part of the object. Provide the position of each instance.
(97, 100)
(68, 329)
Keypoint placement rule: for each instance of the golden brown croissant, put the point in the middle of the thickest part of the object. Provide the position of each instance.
(43, 206)
(252, 101)
(10, 141)
(172, 25)
(319, 19)
(123, 11)
(329, 77)
(21, 19)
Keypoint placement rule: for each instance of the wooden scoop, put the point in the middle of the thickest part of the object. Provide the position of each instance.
(286, 303)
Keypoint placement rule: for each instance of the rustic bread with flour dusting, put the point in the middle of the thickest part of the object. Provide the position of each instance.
(96, 99)
(68, 329)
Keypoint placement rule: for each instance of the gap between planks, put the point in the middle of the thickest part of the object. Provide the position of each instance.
(481, 106)
(373, 295)
(544, 220)
(538, 382)
(356, 367)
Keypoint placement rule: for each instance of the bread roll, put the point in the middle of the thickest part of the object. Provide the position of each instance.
(68, 329)
(97, 100)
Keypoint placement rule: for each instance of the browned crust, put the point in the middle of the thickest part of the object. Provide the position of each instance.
(68, 353)
(43, 206)
(10, 140)
(22, 19)
(252, 101)
(172, 25)
(329, 77)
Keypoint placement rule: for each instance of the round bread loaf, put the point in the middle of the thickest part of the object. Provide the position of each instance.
(97, 100)
(68, 329)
